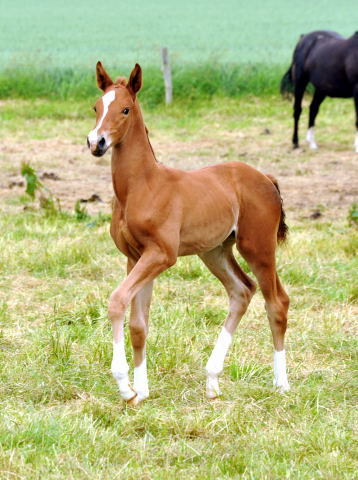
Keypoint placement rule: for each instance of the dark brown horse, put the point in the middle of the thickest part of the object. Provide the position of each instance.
(330, 63)
(160, 213)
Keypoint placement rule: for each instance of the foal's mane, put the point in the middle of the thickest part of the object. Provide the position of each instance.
(147, 132)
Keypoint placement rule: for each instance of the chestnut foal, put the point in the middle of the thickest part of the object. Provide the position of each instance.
(160, 213)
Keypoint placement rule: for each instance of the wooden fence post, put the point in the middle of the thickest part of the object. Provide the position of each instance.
(167, 74)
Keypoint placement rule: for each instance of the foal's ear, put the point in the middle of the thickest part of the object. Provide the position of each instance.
(135, 80)
(103, 79)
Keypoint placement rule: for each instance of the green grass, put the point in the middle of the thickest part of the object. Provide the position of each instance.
(190, 82)
(50, 49)
(61, 413)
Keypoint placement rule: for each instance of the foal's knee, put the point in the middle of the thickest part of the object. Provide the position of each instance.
(118, 303)
(138, 331)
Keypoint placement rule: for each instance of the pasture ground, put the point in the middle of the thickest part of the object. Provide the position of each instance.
(61, 416)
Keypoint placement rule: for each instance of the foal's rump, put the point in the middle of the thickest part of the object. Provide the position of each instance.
(261, 210)
(259, 200)
(226, 198)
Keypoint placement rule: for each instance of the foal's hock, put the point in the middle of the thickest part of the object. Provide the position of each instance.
(160, 213)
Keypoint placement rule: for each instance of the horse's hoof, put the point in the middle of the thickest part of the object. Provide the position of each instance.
(282, 388)
(134, 401)
(213, 399)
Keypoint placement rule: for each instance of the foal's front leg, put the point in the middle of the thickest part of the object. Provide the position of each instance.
(138, 325)
(150, 264)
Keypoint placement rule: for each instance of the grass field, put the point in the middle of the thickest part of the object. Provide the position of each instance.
(61, 416)
(50, 49)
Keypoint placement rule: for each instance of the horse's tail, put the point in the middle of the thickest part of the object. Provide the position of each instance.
(287, 84)
(282, 231)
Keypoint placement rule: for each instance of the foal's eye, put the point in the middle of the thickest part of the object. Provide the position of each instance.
(125, 111)
(95, 109)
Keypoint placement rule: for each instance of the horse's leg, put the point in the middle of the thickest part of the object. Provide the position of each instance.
(259, 251)
(355, 93)
(318, 98)
(240, 289)
(138, 326)
(150, 265)
(300, 88)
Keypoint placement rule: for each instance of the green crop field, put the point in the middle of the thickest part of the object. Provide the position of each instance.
(50, 48)
(79, 33)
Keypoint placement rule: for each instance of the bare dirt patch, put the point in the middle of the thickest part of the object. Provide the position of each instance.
(320, 185)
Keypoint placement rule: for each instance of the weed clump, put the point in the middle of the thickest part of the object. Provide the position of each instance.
(49, 204)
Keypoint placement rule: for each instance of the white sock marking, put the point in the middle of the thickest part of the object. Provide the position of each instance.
(141, 380)
(120, 369)
(215, 363)
(279, 368)
(107, 99)
(310, 138)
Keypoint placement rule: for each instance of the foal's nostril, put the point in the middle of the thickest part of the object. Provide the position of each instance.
(88, 143)
(102, 143)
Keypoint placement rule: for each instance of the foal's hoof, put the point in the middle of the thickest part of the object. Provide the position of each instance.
(212, 387)
(134, 401)
(213, 399)
(281, 387)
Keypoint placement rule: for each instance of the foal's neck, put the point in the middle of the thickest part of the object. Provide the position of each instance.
(133, 159)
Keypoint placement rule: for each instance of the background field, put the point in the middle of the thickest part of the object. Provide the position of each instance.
(79, 33)
(50, 48)
(60, 412)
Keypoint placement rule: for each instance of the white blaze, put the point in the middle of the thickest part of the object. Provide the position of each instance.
(107, 99)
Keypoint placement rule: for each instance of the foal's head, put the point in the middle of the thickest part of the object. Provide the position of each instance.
(113, 109)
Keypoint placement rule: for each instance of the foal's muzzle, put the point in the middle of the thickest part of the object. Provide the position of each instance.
(99, 147)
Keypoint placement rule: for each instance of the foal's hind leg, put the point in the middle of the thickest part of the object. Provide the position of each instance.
(260, 255)
(240, 289)
(318, 98)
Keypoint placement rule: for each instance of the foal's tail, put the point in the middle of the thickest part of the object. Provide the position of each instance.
(282, 231)
(287, 83)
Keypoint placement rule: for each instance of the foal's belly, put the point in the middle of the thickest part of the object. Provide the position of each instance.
(204, 235)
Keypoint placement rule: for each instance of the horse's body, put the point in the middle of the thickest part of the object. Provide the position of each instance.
(160, 213)
(330, 63)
